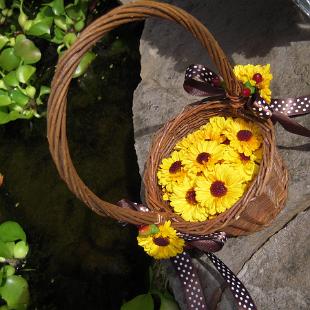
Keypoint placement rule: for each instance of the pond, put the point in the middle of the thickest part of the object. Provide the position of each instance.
(77, 259)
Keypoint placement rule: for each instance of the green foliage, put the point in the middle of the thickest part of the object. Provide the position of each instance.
(13, 248)
(147, 301)
(20, 90)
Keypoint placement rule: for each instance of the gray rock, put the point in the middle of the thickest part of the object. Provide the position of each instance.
(260, 32)
(278, 280)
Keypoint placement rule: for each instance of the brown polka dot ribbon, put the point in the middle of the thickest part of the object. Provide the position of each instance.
(189, 277)
(187, 272)
(201, 81)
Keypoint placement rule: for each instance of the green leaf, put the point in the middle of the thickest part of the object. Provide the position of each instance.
(44, 90)
(57, 7)
(11, 80)
(8, 59)
(167, 302)
(20, 250)
(59, 35)
(2, 4)
(5, 250)
(15, 292)
(79, 26)
(69, 39)
(2, 85)
(9, 270)
(24, 73)
(74, 12)
(30, 91)
(84, 64)
(5, 100)
(41, 29)
(19, 97)
(26, 50)
(60, 21)
(3, 41)
(141, 302)
(11, 231)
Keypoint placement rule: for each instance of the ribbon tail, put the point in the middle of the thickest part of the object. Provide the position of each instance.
(290, 124)
(240, 293)
(190, 281)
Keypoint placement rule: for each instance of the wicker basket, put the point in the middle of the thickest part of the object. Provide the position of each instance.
(266, 194)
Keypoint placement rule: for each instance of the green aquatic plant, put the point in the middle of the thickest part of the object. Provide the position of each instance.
(153, 299)
(14, 291)
(21, 92)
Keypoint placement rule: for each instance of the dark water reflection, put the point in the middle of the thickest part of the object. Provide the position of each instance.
(79, 260)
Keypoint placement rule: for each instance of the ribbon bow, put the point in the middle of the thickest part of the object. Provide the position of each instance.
(187, 272)
(201, 81)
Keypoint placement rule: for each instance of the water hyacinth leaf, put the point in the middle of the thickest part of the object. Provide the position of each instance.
(11, 80)
(141, 302)
(9, 60)
(41, 29)
(30, 91)
(84, 64)
(15, 292)
(60, 21)
(79, 25)
(19, 97)
(167, 302)
(26, 50)
(24, 73)
(9, 270)
(58, 35)
(3, 41)
(11, 231)
(2, 85)
(74, 12)
(44, 90)
(5, 100)
(5, 250)
(2, 4)
(57, 7)
(20, 250)
(69, 39)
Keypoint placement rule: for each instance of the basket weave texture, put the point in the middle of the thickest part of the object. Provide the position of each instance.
(266, 194)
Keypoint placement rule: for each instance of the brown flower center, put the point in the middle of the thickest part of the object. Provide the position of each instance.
(175, 167)
(191, 197)
(244, 157)
(244, 135)
(218, 189)
(226, 141)
(203, 158)
(161, 241)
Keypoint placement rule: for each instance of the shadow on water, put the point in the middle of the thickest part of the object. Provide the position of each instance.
(79, 260)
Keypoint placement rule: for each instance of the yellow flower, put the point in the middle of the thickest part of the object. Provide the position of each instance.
(191, 139)
(171, 170)
(203, 155)
(246, 164)
(214, 129)
(244, 136)
(246, 73)
(220, 189)
(183, 200)
(164, 244)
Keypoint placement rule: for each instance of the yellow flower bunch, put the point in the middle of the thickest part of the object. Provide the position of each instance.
(161, 241)
(255, 77)
(209, 170)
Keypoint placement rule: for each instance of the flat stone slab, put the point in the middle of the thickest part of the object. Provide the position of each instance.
(258, 33)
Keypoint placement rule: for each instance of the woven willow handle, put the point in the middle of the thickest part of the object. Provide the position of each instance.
(56, 129)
